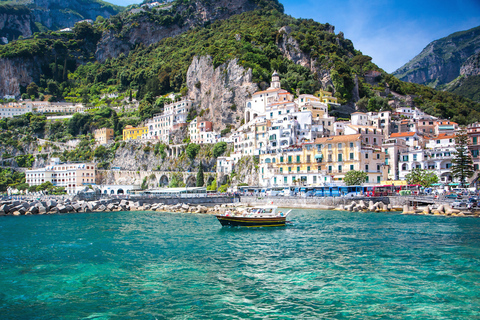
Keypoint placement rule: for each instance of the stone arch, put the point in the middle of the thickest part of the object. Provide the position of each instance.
(191, 181)
(120, 191)
(222, 180)
(163, 181)
(112, 191)
(210, 179)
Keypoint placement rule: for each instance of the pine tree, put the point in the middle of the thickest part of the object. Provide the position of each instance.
(462, 163)
(200, 178)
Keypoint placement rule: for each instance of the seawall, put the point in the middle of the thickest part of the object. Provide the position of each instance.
(317, 202)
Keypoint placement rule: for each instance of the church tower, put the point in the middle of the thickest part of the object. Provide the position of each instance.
(275, 81)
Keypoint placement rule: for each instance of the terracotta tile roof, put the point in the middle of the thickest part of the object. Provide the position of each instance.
(270, 90)
(343, 138)
(402, 134)
(363, 127)
(446, 122)
(281, 102)
(358, 112)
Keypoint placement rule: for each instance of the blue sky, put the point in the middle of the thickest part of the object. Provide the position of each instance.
(390, 31)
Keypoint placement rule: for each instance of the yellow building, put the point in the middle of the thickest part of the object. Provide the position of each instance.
(326, 160)
(132, 133)
(104, 135)
(326, 97)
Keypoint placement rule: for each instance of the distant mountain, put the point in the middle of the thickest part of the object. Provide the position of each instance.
(442, 60)
(24, 17)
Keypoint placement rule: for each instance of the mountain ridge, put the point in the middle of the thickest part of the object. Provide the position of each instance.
(441, 60)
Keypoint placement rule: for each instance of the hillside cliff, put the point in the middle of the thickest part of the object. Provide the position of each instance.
(148, 26)
(23, 18)
(221, 92)
(440, 62)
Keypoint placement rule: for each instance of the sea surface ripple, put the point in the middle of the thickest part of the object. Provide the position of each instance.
(324, 265)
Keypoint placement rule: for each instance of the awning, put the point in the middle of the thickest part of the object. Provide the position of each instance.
(453, 184)
(436, 184)
(319, 156)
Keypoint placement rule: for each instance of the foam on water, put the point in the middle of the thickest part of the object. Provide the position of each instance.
(173, 266)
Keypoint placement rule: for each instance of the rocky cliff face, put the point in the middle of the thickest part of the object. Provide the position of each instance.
(59, 14)
(291, 50)
(13, 25)
(15, 73)
(147, 30)
(222, 91)
(440, 62)
(471, 67)
(19, 20)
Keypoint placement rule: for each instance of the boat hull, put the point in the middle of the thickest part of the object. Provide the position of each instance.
(251, 222)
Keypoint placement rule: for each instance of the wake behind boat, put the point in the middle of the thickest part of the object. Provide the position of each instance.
(263, 216)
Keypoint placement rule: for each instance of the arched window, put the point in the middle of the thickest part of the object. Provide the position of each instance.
(404, 167)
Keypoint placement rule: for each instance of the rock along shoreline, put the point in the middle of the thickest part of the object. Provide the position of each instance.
(55, 206)
(62, 206)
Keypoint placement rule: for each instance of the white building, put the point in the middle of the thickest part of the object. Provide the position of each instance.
(173, 117)
(74, 177)
(12, 109)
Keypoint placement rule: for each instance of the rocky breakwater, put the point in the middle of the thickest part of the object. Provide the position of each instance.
(361, 206)
(441, 210)
(17, 208)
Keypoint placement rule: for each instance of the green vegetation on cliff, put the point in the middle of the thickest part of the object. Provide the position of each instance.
(69, 70)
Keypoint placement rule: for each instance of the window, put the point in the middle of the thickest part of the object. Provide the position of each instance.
(405, 158)
(378, 167)
(438, 141)
(475, 140)
(351, 144)
(275, 180)
(414, 157)
(298, 169)
(314, 179)
(281, 170)
(366, 155)
(329, 147)
(352, 167)
(339, 168)
(378, 179)
(366, 167)
(285, 180)
(289, 159)
(281, 159)
(289, 169)
(330, 169)
(308, 159)
(340, 146)
(308, 169)
(298, 159)
(351, 156)
(340, 156)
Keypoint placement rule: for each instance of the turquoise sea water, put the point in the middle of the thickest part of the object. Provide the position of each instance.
(147, 265)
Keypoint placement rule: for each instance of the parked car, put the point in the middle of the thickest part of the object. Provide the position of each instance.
(452, 196)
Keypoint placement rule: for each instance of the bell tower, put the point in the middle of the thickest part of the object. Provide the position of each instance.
(275, 80)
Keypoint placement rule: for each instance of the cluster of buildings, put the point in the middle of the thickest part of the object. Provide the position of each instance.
(297, 142)
(11, 109)
(174, 117)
